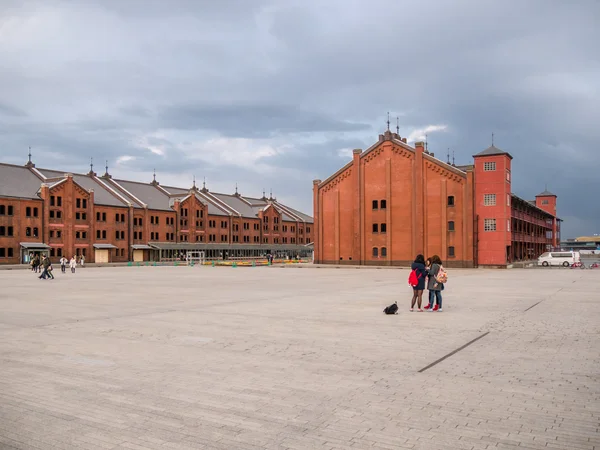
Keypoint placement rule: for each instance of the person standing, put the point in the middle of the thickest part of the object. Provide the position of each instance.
(63, 264)
(82, 260)
(435, 288)
(73, 264)
(421, 275)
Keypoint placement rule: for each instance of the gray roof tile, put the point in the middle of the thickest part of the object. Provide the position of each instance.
(18, 181)
(492, 151)
(146, 193)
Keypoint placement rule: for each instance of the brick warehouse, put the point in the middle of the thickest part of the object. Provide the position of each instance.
(109, 220)
(394, 201)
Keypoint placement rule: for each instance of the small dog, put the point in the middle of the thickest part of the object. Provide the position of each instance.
(392, 309)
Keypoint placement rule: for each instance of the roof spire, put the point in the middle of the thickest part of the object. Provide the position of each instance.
(453, 158)
(204, 185)
(448, 156)
(29, 163)
(106, 167)
(426, 145)
(397, 125)
(194, 183)
(154, 175)
(91, 165)
(236, 190)
(388, 122)
(492, 139)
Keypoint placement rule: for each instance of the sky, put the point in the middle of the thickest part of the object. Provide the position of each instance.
(271, 94)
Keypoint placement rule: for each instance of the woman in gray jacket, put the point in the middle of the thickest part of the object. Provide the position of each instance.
(435, 288)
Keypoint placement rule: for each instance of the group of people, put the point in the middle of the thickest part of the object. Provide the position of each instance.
(427, 275)
(43, 265)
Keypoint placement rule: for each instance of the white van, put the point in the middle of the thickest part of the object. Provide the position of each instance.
(558, 259)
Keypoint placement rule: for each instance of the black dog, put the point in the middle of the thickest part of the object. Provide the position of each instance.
(392, 309)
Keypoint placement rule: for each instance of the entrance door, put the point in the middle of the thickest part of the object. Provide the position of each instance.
(101, 255)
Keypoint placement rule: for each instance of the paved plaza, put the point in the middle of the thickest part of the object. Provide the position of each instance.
(298, 358)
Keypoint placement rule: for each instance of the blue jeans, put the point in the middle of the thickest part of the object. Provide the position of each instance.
(435, 295)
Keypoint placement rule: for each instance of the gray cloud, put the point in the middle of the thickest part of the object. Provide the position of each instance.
(271, 94)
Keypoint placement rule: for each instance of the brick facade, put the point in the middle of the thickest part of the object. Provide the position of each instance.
(394, 201)
(118, 220)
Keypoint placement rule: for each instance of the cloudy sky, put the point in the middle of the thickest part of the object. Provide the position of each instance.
(275, 93)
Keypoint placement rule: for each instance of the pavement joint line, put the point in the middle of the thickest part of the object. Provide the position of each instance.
(453, 352)
(533, 305)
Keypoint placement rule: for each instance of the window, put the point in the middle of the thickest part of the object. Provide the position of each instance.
(507, 199)
(489, 166)
(9, 231)
(28, 211)
(544, 202)
(28, 231)
(59, 251)
(375, 252)
(2, 210)
(2, 231)
(78, 203)
(59, 201)
(98, 215)
(35, 232)
(117, 235)
(489, 224)
(451, 225)
(308, 229)
(383, 251)
(2, 252)
(52, 252)
(84, 203)
(507, 175)
(383, 228)
(489, 199)
(382, 205)
(374, 204)
(375, 228)
(451, 252)
(52, 200)
(451, 200)
(78, 216)
(507, 224)
(35, 212)
(135, 234)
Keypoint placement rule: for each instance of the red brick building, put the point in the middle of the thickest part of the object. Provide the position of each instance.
(394, 201)
(109, 220)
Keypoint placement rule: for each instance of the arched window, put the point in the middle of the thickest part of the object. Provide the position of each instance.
(382, 204)
(375, 204)
(28, 231)
(375, 252)
(383, 252)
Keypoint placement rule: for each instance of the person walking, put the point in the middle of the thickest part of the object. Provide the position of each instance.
(73, 264)
(435, 288)
(63, 264)
(420, 275)
(45, 264)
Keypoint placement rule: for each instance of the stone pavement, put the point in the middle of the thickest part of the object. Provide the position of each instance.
(272, 358)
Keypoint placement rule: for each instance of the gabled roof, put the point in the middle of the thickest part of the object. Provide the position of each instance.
(492, 150)
(145, 193)
(546, 193)
(102, 196)
(18, 181)
(25, 182)
(237, 203)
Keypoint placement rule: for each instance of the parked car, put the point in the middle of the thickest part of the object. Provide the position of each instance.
(565, 259)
